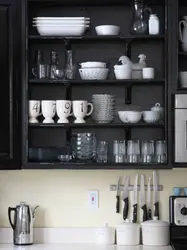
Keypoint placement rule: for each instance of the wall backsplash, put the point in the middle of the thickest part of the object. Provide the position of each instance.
(62, 195)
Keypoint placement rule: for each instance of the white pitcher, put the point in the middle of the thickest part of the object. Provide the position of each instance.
(183, 33)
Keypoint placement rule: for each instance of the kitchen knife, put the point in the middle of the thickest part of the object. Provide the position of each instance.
(149, 211)
(142, 198)
(135, 199)
(125, 198)
(155, 193)
(118, 197)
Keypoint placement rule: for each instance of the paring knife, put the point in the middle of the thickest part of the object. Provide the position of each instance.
(149, 211)
(125, 198)
(155, 193)
(142, 198)
(135, 199)
(118, 197)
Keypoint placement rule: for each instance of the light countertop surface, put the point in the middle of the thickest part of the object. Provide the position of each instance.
(78, 247)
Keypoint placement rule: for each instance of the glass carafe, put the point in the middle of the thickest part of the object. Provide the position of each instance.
(139, 26)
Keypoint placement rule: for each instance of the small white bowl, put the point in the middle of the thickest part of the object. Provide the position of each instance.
(123, 74)
(130, 116)
(107, 30)
(93, 65)
(151, 116)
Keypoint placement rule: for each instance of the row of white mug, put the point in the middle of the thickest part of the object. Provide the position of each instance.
(63, 108)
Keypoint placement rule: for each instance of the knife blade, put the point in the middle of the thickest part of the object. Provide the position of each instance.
(125, 198)
(135, 199)
(118, 197)
(155, 193)
(142, 198)
(149, 211)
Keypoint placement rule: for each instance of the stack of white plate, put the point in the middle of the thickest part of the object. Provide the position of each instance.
(61, 26)
(104, 108)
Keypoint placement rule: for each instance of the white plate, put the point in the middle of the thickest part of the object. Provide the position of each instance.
(54, 30)
(61, 18)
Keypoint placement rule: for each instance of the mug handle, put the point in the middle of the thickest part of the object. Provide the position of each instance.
(180, 30)
(91, 107)
(34, 70)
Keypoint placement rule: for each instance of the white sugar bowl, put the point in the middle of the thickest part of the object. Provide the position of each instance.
(159, 109)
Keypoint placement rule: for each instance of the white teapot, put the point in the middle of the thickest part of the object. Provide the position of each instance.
(159, 109)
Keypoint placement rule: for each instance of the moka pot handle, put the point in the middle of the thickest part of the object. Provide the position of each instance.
(10, 209)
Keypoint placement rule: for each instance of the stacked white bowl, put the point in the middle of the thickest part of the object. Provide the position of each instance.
(104, 108)
(93, 71)
(61, 26)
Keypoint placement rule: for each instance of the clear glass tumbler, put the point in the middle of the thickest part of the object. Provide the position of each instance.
(161, 152)
(133, 151)
(119, 151)
(102, 152)
(147, 151)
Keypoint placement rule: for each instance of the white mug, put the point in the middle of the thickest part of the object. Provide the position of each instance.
(63, 109)
(34, 111)
(80, 110)
(148, 73)
(48, 110)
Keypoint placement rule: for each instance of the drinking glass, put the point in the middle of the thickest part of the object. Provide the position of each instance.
(102, 152)
(147, 151)
(161, 152)
(133, 151)
(119, 151)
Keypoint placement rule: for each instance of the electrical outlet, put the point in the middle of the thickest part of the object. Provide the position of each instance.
(93, 199)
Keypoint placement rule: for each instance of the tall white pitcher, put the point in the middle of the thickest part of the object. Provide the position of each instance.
(183, 33)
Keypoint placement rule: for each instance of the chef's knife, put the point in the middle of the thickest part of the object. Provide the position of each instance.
(155, 193)
(149, 211)
(125, 198)
(135, 199)
(118, 197)
(142, 198)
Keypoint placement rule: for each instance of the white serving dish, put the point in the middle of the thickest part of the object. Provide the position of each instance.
(61, 30)
(105, 235)
(130, 116)
(128, 234)
(107, 30)
(93, 65)
(61, 18)
(155, 232)
(94, 73)
(60, 22)
(121, 74)
(183, 79)
(151, 116)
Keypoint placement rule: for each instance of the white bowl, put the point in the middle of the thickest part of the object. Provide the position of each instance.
(151, 116)
(107, 30)
(123, 73)
(130, 116)
(61, 30)
(93, 65)
(183, 79)
(94, 73)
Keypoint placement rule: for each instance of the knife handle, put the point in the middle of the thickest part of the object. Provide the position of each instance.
(144, 208)
(117, 204)
(126, 208)
(149, 214)
(156, 209)
(135, 213)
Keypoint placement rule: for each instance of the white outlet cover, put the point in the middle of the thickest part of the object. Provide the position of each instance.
(93, 199)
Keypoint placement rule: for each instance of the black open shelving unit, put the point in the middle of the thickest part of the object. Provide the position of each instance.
(143, 93)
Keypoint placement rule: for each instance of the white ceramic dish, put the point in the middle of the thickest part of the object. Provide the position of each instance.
(123, 74)
(183, 79)
(93, 65)
(59, 22)
(107, 30)
(61, 18)
(151, 116)
(130, 116)
(94, 73)
(61, 30)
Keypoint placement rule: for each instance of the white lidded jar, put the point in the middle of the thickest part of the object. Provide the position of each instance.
(155, 232)
(154, 25)
(128, 234)
(105, 235)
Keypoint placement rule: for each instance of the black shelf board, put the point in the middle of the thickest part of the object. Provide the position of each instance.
(98, 38)
(83, 82)
(181, 53)
(95, 125)
(94, 166)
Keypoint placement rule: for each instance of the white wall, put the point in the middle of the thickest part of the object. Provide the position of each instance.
(62, 195)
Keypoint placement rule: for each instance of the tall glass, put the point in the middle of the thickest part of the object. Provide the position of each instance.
(147, 151)
(119, 151)
(133, 151)
(161, 152)
(102, 152)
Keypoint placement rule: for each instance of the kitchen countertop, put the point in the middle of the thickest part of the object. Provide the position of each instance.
(78, 247)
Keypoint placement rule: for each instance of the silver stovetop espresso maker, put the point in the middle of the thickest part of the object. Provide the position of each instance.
(24, 217)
